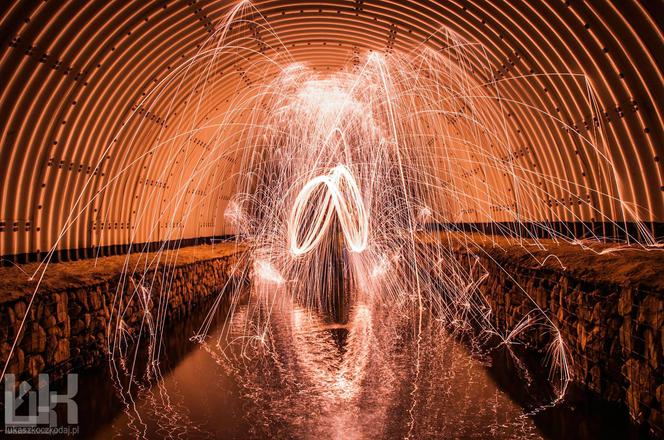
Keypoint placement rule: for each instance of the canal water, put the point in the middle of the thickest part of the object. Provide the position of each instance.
(278, 370)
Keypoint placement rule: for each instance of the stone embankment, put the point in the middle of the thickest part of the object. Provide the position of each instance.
(67, 326)
(608, 303)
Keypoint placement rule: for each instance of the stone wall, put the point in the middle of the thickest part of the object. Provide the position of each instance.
(613, 330)
(611, 321)
(67, 327)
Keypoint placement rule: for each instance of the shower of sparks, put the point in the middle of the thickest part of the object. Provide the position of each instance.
(348, 182)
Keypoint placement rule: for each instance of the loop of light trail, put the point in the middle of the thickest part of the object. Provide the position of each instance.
(348, 206)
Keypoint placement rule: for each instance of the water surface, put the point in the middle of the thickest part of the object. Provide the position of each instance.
(285, 371)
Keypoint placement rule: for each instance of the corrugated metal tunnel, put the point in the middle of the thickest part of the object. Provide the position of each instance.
(79, 78)
(377, 218)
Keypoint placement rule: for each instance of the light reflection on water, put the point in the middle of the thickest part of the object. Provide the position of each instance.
(300, 375)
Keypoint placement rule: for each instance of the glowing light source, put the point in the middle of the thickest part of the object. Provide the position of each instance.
(267, 272)
(343, 197)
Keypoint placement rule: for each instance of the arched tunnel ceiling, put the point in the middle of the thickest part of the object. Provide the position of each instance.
(74, 72)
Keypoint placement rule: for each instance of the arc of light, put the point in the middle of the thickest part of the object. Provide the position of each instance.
(348, 206)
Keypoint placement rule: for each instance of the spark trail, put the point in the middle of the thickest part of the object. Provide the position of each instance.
(351, 173)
